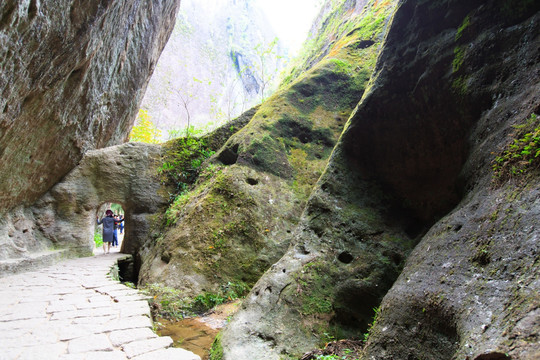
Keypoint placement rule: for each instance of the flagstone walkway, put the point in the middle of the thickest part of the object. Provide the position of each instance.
(75, 311)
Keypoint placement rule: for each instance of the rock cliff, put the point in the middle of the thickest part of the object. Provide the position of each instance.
(403, 210)
(453, 86)
(252, 193)
(72, 75)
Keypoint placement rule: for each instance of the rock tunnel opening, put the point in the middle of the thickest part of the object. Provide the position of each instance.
(120, 229)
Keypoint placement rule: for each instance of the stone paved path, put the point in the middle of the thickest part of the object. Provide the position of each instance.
(74, 311)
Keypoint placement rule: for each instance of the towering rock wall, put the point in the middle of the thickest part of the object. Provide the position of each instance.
(455, 85)
(236, 220)
(208, 72)
(72, 75)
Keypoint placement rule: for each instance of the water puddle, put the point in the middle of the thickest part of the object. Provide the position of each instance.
(198, 334)
(189, 334)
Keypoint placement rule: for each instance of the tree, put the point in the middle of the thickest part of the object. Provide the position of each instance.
(267, 64)
(144, 131)
(187, 94)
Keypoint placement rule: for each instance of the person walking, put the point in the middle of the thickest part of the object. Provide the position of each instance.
(108, 230)
(121, 225)
(115, 231)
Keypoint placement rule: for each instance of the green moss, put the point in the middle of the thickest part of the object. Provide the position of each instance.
(268, 154)
(347, 27)
(459, 55)
(522, 154)
(341, 66)
(464, 25)
(459, 85)
(317, 292)
(306, 173)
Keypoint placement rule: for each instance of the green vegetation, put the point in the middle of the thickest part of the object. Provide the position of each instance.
(117, 208)
(376, 312)
(169, 303)
(459, 55)
(522, 154)
(306, 173)
(228, 292)
(464, 25)
(182, 163)
(317, 295)
(145, 131)
(333, 357)
(459, 85)
(98, 238)
(216, 352)
(350, 30)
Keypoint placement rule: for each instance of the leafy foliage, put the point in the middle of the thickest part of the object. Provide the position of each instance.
(98, 238)
(216, 352)
(182, 163)
(376, 312)
(145, 131)
(522, 154)
(169, 303)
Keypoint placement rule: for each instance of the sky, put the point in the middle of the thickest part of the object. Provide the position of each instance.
(290, 19)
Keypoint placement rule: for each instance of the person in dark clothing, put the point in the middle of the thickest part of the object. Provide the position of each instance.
(115, 231)
(108, 229)
(121, 225)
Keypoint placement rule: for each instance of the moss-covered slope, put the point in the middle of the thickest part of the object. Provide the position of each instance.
(236, 220)
(453, 83)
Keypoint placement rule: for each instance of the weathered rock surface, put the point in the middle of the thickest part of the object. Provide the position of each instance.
(238, 218)
(443, 100)
(470, 288)
(64, 218)
(72, 75)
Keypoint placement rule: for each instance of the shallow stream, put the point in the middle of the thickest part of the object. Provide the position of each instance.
(198, 334)
(190, 334)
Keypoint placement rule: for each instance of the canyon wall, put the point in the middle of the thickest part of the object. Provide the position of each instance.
(452, 97)
(72, 76)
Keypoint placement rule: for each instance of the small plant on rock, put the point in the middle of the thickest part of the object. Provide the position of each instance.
(522, 154)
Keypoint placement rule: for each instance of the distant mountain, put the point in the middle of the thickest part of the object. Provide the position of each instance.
(211, 68)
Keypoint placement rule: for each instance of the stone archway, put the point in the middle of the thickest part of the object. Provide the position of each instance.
(124, 174)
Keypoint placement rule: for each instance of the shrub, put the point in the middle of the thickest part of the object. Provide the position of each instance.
(522, 154)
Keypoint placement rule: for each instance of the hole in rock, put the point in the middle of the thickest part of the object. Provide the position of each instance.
(345, 257)
(252, 181)
(493, 356)
(229, 155)
(127, 270)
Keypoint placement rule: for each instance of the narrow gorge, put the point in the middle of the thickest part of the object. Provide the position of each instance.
(386, 194)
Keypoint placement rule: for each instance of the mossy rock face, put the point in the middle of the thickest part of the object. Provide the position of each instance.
(231, 231)
(236, 220)
(416, 149)
(347, 250)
